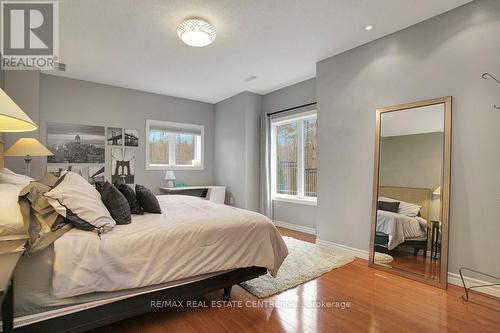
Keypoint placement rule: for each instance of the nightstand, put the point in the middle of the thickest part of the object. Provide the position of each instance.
(435, 239)
(11, 250)
(216, 194)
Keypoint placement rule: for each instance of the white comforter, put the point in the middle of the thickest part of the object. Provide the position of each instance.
(400, 227)
(191, 237)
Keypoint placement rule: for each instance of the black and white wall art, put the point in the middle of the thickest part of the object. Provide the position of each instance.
(94, 173)
(114, 136)
(72, 143)
(131, 137)
(122, 165)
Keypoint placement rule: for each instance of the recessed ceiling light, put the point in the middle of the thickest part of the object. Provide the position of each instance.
(196, 32)
(369, 27)
(250, 78)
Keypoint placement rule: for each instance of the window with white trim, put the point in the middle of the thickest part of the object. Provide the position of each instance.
(293, 157)
(174, 146)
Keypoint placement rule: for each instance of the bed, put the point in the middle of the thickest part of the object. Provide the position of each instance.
(85, 280)
(394, 229)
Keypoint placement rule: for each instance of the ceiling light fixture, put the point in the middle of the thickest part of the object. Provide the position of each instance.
(369, 27)
(250, 78)
(196, 32)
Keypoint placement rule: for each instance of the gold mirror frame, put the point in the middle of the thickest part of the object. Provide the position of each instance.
(445, 191)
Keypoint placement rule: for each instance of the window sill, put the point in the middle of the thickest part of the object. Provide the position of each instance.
(300, 201)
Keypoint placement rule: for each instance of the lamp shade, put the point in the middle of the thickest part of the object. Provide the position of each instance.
(28, 146)
(12, 118)
(169, 175)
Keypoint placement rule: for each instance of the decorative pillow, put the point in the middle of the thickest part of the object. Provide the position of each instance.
(405, 208)
(388, 206)
(11, 219)
(48, 179)
(128, 192)
(43, 223)
(147, 200)
(116, 203)
(9, 177)
(74, 198)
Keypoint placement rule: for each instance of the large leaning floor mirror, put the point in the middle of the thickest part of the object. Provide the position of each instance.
(411, 190)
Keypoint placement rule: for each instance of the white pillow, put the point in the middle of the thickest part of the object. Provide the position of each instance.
(9, 177)
(405, 208)
(78, 201)
(11, 219)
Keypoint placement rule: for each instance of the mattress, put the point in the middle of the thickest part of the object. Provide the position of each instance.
(33, 302)
(191, 237)
(400, 227)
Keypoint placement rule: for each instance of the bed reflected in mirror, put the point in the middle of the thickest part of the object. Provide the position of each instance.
(410, 219)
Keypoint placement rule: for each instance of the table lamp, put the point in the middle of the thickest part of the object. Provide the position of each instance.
(12, 118)
(437, 192)
(170, 177)
(28, 147)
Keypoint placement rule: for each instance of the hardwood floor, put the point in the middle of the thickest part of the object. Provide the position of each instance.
(427, 266)
(379, 302)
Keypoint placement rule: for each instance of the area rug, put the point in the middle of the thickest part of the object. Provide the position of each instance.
(305, 261)
(382, 258)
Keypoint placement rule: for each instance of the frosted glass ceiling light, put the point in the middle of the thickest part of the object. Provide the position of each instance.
(196, 32)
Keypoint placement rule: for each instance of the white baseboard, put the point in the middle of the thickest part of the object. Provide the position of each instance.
(453, 278)
(343, 248)
(296, 227)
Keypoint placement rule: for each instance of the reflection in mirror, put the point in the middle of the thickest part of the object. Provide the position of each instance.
(408, 229)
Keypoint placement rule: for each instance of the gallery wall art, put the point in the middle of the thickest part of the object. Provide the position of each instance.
(93, 173)
(122, 165)
(72, 143)
(114, 136)
(131, 137)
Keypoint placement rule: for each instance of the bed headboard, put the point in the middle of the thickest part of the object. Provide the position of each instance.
(419, 196)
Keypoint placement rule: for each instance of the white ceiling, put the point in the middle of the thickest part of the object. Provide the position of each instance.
(133, 44)
(425, 119)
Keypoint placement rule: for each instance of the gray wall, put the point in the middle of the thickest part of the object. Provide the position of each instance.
(81, 102)
(298, 94)
(295, 213)
(237, 148)
(412, 160)
(443, 56)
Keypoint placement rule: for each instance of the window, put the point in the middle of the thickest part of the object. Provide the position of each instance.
(293, 161)
(173, 146)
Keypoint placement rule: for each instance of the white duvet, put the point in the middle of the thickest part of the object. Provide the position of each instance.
(400, 227)
(191, 237)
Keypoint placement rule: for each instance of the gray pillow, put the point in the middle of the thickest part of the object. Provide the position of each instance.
(116, 203)
(388, 206)
(129, 194)
(147, 200)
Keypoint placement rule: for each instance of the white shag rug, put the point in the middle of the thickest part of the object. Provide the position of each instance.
(382, 258)
(305, 262)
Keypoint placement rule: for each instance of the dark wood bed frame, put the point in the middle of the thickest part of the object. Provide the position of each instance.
(382, 244)
(109, 313)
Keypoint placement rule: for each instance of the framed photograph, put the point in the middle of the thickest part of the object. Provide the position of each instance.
(131, 138)
(94, 173)
(122, 165)
(71, 143)
(114, 136)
